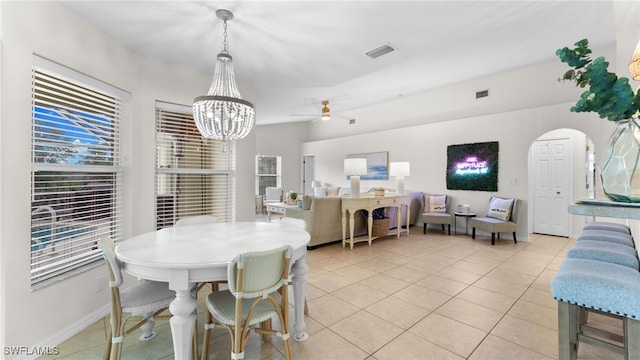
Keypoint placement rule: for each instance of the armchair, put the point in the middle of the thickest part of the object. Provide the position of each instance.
(502, 216)
(436, 212)
(273, 195)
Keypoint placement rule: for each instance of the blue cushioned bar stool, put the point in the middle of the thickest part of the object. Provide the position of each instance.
(605, 251)
(607, 226)
(581, 285)
(607, 236)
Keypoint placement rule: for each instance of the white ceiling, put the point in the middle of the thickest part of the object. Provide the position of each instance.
(297, 53)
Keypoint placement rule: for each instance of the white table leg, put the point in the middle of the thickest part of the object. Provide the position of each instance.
(352, 227)
(183, 310)
(344, 227)
(399, 219)
(408, 217)
(370, 225)
(299, 271)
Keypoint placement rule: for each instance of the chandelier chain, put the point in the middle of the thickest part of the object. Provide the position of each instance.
(225, 42)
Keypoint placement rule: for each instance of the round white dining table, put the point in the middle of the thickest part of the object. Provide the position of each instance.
(184, 256)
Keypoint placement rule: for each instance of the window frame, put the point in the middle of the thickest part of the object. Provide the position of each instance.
(278, 175)
(183, 158)
(75, 189)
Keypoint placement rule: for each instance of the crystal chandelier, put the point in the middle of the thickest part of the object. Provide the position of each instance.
(222, 113)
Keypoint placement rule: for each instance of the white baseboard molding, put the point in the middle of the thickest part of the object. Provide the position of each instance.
(68, 332)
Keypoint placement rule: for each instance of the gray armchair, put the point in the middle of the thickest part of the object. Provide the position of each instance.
(436, 213)
(495, 225)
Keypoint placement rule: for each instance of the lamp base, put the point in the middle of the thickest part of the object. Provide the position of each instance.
(400, 185)
(355, 186)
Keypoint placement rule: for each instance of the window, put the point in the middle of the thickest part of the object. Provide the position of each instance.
(193, 175)
(268, 173)
(75, 178)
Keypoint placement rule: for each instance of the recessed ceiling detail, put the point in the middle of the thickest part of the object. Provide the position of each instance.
(380, 50)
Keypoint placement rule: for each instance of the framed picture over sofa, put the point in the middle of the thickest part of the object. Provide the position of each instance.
(377, 165)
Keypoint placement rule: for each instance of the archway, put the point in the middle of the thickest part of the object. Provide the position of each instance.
(561, 169)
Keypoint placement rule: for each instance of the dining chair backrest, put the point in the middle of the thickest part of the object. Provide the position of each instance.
(195, 220)
(257, 274)
(109, 254)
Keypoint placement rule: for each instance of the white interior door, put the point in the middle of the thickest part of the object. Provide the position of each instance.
(552, 161)
(308, 173)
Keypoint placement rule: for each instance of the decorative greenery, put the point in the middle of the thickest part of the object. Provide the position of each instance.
(608, 95)
(294, 195)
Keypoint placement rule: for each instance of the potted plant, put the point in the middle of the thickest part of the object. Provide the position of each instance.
(613, 99)
(294, 197)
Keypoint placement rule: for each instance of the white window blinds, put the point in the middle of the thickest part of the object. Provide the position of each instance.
(193, 175)
(75, 182)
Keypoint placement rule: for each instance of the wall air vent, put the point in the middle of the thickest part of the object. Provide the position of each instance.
(481, 94)
(379, 51)
(352, 121)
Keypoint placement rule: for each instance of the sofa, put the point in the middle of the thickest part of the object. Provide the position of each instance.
(323, 217)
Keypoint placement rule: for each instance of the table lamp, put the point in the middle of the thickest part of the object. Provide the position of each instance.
(399, 170)
(355, 167)
(316, 186)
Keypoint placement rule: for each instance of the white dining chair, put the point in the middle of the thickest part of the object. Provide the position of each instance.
(142, 302)
(196, 220)
(258, 291)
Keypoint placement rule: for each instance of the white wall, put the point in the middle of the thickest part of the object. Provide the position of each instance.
(48, 315)
(284, 140)
(425, 146)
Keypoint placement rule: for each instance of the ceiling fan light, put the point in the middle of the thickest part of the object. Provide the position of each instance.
(326, 115)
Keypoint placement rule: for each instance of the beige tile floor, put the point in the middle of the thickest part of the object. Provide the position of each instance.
(418, 297)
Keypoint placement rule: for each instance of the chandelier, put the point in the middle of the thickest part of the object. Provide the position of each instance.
(222, 113)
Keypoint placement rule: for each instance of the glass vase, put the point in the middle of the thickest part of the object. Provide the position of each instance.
(619, 170)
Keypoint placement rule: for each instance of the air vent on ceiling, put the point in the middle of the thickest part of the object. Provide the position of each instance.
(352, 121)
(481, 94)
(379, 51)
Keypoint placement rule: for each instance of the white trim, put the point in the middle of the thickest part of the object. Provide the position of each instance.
(73, 329)
(74, 75)
(161, 105)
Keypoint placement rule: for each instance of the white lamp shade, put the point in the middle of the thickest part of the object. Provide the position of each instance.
(316, 184)
(355, 166)
(401, 168)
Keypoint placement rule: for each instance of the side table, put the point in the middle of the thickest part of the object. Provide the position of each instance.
(279, 208)
(466, 217)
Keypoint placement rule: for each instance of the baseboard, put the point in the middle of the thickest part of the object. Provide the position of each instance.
(69, 331)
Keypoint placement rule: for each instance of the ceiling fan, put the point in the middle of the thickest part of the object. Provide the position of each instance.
(324, 116)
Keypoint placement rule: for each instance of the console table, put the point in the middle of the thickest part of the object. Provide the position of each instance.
(352, 204)
(605, 208)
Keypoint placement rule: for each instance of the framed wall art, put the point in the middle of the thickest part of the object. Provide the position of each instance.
(473, 166)
(377, 165)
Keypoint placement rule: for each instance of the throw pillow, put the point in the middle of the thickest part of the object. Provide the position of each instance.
(306, 202)
(438, 203)
(500, 208)
(320, 191)
(333, 191)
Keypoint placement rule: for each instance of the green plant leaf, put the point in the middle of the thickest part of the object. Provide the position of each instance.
(609, 96)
